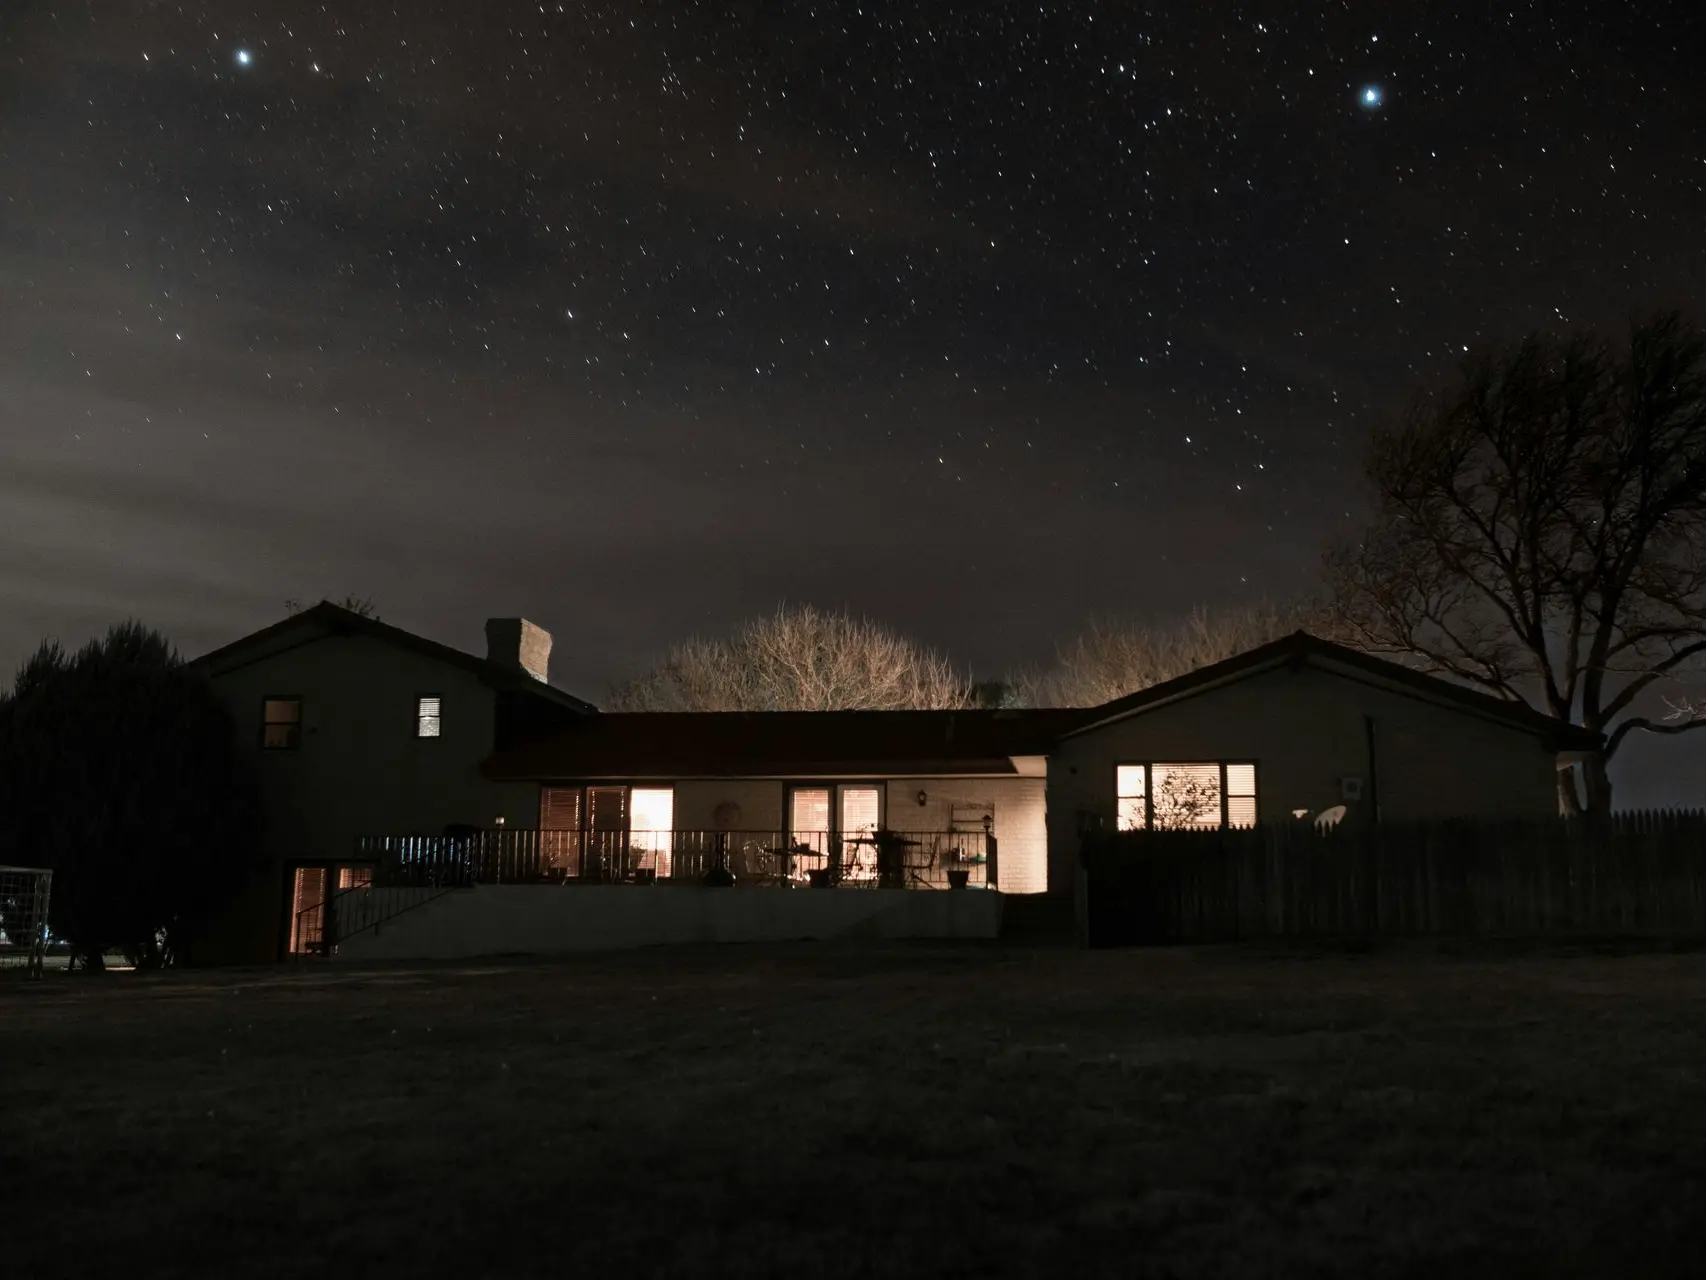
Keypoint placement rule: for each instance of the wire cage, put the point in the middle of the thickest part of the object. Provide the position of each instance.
(24, 893)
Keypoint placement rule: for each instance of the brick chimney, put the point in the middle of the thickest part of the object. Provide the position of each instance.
(518, 643)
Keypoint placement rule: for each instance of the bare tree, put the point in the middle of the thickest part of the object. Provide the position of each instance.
(799, 659)
(1113, 658)
(1540, 531)
(1184, 799)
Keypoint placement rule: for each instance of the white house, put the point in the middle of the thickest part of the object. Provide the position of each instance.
(376, 746)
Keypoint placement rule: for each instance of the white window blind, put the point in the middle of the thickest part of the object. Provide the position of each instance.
(1131, 786)
(1185, 795)
(1241, 795)
(861, 810)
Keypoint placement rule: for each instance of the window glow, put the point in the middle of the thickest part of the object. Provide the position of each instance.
(1199, 796)
(1186, 795)
(861, 810)
(808, 817)
(1133, 812)
(1240, 795)
(651, 812)
(281, 724)
(426, 718)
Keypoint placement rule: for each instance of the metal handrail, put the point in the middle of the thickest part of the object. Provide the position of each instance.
(511, 855)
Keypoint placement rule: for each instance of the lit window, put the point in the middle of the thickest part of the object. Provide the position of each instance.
(861, 810)
(651, 815)
(281, 724)
(1173, 796)
(1134, 806)
(1186, 795)
(1240, 795)
(426, 718)
(809, 817)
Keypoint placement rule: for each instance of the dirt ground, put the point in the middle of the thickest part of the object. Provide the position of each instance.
(828, 1112)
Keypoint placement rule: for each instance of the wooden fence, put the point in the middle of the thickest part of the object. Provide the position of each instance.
(1630, 874)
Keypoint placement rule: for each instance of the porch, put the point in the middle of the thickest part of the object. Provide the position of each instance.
(391, 876)
(873, 859)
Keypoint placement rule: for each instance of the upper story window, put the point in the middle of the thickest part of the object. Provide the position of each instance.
(426, 717)
(281, 724)
(1173, 796)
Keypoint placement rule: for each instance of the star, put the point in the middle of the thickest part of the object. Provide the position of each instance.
(244, 57)
(1372, 97)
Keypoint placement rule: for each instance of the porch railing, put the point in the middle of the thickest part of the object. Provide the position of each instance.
(893, 859)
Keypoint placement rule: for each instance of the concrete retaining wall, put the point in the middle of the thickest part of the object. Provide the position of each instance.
(551, 919)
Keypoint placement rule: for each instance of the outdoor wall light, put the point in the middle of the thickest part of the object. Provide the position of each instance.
(923, 799)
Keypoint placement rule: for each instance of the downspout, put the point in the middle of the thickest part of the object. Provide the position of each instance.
(1373, 769)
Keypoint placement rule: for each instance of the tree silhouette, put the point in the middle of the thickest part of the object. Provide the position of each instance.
(1540, 531)
(1114, 657)
(120, 771)
(799, 659)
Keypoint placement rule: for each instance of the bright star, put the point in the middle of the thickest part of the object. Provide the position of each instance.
(244, 57)
(1372, 97)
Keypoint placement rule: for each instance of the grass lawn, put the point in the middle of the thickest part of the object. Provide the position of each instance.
(873, 1111)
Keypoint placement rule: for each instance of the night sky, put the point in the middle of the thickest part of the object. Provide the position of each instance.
(637, 318)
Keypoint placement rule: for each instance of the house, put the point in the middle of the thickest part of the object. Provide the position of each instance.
(822, 782)
(359, 727)
(1294, 729)
(389, 761)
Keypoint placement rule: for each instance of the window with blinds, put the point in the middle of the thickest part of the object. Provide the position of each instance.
(1185, 796)
(607, 808)
(426, 717)
(560, 809)
(861, 810)
(1240, 795)
(809, 817)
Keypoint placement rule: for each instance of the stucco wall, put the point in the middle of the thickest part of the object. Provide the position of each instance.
(542, 920)
(1021, 828)
(360, 770)
(760, 802)
(1305, 730)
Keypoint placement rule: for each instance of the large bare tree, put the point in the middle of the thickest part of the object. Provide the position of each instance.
(1539, 531)
(799, 659)
(1114, 657)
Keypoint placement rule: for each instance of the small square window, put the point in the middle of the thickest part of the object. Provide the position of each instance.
(281, 724)
(426, 718)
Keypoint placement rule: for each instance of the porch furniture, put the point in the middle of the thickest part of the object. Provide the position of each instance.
(897, 860)
(783, 857)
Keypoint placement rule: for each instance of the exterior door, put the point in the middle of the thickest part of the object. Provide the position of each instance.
(560, 830)
(809, 818)
(308, 911)
(860, 817)
(606, 832)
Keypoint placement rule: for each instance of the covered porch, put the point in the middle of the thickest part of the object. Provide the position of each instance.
(776, 858)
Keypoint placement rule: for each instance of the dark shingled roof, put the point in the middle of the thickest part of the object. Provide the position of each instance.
(785, 744)
(327, 619)
(1302, 648)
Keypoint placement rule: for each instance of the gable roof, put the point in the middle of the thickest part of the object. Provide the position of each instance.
(326, 620)
(1303, 649)
(791, 744)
